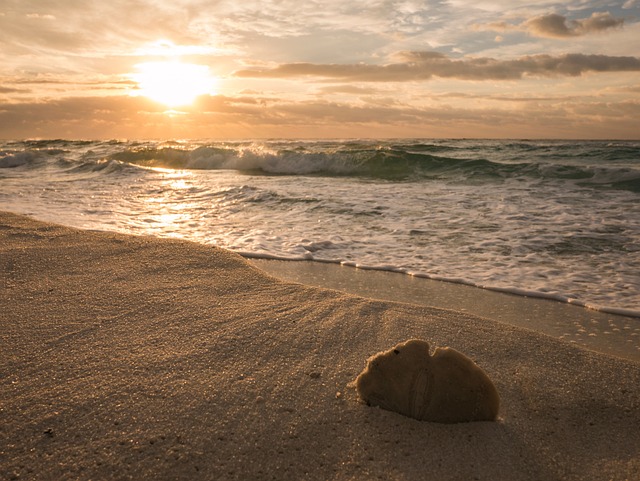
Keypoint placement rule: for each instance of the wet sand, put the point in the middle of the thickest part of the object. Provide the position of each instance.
(609, 333)
(141, 358)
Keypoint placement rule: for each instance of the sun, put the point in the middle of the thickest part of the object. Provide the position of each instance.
(173, 83)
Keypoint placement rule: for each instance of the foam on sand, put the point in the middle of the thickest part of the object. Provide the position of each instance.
(138, 358)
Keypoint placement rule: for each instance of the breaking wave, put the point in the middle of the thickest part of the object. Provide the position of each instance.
(603, 165)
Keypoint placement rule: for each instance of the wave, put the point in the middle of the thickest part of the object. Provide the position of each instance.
(599, 165)
(97, 167)
(10, 159)
(30, 158)
(407, 162)
(65, 161)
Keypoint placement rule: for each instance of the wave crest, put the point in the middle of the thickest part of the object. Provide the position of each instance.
(410, 162)
(589, 165)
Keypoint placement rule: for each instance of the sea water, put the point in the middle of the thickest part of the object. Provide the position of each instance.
(554, 219)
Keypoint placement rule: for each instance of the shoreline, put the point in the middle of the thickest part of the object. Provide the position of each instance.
(267, 259)
(596, 330)
(131, 357)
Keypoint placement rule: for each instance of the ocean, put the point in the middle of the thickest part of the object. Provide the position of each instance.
(551, 219)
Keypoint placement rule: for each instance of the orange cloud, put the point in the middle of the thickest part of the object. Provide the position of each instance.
(426, 65)
(557, 26)
(231, 117)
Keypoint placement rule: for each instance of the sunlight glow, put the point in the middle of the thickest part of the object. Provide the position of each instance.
(173, 83)
(166, 48)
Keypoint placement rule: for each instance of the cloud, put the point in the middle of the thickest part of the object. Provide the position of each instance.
(553, 25)
(233, 117)
(11, 90)
(598, 22)
(348, 89)
(416, 66)
(40, 16)
(557, 26)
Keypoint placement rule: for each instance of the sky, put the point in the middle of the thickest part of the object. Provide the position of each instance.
(230, 69)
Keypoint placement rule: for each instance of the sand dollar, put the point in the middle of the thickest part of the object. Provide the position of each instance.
(445, 387)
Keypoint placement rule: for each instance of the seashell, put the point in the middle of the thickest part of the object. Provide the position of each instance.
(445, 387)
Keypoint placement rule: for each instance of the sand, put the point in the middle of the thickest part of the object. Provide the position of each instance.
(599, 331)
(137, 358)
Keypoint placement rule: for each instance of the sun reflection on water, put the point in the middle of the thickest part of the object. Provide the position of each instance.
(168, 211)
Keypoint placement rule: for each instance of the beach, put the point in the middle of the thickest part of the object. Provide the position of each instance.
(595, 330)
(133, 357)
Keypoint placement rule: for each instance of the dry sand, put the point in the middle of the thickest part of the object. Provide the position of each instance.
(136, 358)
